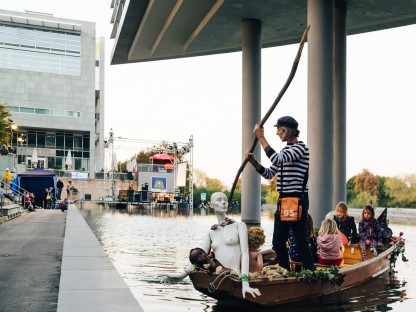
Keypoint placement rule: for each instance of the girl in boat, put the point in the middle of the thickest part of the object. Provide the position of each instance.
(330, 247)
(345, 223)
(256, 238)
(229, 242)
(369, 232)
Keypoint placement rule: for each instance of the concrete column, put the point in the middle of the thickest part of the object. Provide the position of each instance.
(340, 102)
(251, 113)
(320, 107)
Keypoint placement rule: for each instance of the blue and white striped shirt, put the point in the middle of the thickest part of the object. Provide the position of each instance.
(295, 160)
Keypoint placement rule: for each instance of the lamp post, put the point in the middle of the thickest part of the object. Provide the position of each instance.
(12, 127)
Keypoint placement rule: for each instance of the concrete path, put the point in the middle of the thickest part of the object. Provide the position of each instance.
(51, 261)
(89, 281)
(30, 261)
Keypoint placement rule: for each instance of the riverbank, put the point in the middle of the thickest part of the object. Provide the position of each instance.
(405, 216)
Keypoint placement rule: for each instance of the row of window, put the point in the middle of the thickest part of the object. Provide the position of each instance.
(40, 62)
(57, 163)
(21, 36)
(63, 142)
(44, 111)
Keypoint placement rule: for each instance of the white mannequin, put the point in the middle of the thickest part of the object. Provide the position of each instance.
(229, 243)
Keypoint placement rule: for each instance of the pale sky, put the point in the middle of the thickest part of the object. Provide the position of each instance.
(201, 96)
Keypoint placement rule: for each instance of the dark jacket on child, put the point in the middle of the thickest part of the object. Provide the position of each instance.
(347, 226)
(370, 230)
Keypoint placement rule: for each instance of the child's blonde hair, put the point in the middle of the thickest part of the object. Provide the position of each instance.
(256, 237)
(343, 206)
(328, 226)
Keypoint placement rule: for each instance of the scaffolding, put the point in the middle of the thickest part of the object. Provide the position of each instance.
(176, 149)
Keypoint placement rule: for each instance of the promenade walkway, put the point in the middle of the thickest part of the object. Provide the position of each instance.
(51, 261)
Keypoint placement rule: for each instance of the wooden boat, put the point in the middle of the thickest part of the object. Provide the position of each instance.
(284, 289)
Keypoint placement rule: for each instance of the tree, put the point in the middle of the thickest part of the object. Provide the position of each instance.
(351, 194)
(4, 123)
(366, 182)
(402, 192)
(384, 199)
(362, 199)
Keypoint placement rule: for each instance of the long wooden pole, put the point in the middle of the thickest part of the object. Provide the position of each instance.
(271, 109)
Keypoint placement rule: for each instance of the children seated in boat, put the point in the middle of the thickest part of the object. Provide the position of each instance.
(256, 238)
(330, 247)
(345, 223)
(200, 259)
(313, 245)
(369, 232)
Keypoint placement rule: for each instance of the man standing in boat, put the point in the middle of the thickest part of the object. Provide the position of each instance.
(292, 163)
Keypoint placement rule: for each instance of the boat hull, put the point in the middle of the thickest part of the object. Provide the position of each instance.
(281, 290)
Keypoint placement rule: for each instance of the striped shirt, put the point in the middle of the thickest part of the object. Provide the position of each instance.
(295, 160)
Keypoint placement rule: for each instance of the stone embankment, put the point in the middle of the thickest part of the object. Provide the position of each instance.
(394, 215)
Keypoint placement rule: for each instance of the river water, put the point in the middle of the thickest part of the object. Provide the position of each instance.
(146, 245)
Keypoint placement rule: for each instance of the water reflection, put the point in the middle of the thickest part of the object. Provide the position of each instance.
(145, 244)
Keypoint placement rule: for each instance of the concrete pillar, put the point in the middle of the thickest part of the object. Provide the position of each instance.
(340, 102)
(320, 107)
(251, 113)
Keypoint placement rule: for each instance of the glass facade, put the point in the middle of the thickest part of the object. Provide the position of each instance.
(57, 144)
(40, 49)
(43, 111)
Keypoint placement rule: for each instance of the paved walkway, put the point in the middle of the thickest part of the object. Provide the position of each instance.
(89, 281)
(51, 261)
(30, 261)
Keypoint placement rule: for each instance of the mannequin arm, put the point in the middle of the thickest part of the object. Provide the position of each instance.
(242, 231)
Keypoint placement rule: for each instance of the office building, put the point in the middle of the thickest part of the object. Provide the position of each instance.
(52, 79)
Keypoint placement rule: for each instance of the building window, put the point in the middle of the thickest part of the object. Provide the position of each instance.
(69, 142)
(50, 140)
(86, 144)
(41, 138)
(60, 141)
(31, 139)
(77, 142)
(44, 111)
(39, 49)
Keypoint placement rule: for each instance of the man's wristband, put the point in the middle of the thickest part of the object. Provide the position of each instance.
(244, 278)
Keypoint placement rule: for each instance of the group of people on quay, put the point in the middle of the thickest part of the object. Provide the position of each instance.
(49, 200)
(229, 245)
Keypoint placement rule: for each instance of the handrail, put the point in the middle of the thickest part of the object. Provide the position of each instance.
(19, 193)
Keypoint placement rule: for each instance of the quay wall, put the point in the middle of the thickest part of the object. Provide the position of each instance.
(394, 215)
(97, 188)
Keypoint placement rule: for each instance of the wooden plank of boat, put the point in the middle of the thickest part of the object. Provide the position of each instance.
(283, 290)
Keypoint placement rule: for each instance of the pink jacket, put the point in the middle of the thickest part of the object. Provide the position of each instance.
(330, 246)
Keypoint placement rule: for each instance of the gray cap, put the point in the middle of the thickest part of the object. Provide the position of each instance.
(287, 121)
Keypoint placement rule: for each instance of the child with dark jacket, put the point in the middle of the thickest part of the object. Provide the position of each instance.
(345, 223)
(369, 232)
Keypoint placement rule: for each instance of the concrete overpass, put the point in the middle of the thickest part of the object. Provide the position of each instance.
(151, 30)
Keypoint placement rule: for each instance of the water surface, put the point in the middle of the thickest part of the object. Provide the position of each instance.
(145, 247)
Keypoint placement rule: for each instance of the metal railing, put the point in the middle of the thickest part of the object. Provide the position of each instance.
(18, 192)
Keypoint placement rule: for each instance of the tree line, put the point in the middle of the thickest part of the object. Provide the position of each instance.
(398, 192)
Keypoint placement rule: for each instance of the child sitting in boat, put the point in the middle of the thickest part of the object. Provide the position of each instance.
(313, 245)
(200, 259)
(330, 247)
(256, 238)
(369, 232)
(345, 223)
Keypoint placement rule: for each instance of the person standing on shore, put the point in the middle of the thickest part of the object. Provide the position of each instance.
(59, 187)
(292, 163)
